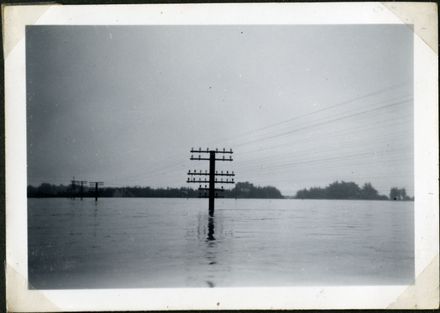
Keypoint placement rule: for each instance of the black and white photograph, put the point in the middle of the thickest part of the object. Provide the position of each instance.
(219, 156)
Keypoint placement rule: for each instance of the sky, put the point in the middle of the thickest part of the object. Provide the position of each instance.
(300, 106)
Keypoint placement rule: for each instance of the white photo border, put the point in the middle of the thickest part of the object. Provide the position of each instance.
(19, 298)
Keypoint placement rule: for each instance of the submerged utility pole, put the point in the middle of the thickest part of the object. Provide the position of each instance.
(81, 184)
(212, 179)
(96, 184)
(81, 188)
(73, 187)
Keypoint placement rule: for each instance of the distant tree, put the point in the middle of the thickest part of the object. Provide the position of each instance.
(47, 189)
(403, 194)
(399, 194)
(394, 193)
(248, 190)
(368, 192)
(31, 191)
(341, 190)
(241, 190)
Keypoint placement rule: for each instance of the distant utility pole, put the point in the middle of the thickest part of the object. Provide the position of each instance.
(96, 184)
(73, 186)
(81, 188)
(212, 174)
(81, 184)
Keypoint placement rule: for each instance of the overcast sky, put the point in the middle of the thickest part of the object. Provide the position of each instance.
(300, 106)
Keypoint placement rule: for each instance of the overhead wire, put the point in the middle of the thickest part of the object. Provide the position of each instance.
(176, 166)
(338, 104)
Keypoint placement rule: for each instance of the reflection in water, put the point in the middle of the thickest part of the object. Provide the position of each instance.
(211, 243)
(210, 228)
(95, 224)
(211, 254)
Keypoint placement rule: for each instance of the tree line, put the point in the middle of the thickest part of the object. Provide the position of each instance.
(350, 190)
(241, 190)
(244, 190)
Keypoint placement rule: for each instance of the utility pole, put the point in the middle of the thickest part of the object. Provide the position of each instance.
(81, 184)
(81, 188)
(96, 184)
(73, 186)
(211, 180)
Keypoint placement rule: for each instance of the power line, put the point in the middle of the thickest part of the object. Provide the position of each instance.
(331, 134)
(177, 164)
(326, 122)
(365, 96)
(334, 157)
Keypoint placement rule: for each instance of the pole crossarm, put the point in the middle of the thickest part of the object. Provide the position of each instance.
(224, 181)
(207, 189)
(224, 174)
(198, 181)
(198, 158)
(207, 174)
(207, 150)
(205, 181)
(94, 183)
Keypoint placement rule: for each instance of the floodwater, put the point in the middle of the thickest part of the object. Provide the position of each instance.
(152, 242)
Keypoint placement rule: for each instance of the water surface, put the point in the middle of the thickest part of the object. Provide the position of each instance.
(151, 242)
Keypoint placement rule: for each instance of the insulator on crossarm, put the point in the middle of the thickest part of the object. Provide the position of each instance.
(227, 172)
(216, 149)
(223, 149)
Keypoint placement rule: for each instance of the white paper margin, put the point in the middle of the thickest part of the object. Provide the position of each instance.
(352, 297)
